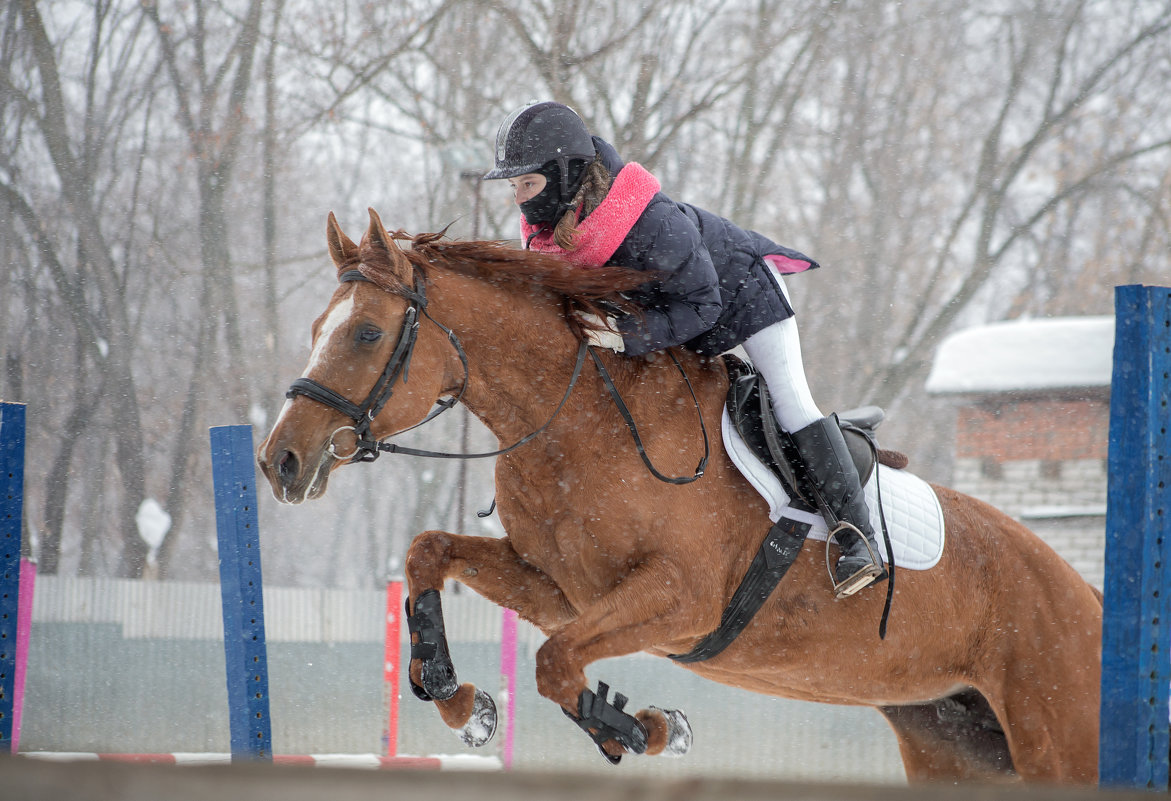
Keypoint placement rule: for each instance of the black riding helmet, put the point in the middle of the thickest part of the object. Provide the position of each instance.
(546, 138)
(536, 134)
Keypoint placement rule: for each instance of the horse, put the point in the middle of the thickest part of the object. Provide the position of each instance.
(990, 667)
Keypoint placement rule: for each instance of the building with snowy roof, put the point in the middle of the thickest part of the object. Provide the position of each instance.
(1032, 425)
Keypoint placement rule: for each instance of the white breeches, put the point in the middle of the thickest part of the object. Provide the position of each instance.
(776, 353)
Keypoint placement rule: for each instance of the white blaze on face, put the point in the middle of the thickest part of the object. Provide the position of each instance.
(334, 321)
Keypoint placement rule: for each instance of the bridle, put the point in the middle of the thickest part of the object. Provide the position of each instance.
(367, 448)
(398, 366)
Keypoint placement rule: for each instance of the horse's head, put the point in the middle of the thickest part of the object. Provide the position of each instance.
(366, 345)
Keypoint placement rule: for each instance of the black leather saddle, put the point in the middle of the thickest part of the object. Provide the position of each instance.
(748, 396)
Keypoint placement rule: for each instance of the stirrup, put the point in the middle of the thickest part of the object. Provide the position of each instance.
(865, 576)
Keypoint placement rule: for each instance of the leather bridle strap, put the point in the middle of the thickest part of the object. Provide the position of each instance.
(367, 449)
(397, 366)
(390, 447)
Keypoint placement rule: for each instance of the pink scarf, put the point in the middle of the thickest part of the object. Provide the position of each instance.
(600, 234)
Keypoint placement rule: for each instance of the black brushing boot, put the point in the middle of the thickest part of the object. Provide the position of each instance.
(824, 452)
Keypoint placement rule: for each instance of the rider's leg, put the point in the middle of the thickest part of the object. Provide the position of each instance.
(824, 451)
(776, 353)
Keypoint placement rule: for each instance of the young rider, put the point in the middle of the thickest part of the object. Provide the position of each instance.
(716, 286)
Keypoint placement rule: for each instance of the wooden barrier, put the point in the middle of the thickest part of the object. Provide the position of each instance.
(113, 781)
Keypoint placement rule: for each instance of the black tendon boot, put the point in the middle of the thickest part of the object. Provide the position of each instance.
(824, 452)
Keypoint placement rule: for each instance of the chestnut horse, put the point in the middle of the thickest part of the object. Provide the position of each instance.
(990, 668)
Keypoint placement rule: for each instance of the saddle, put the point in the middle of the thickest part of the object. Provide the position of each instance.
(748, 399)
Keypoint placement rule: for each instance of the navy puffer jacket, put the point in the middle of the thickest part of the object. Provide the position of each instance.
(718, 291)
(715, 289)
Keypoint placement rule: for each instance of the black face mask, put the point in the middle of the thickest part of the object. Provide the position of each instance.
(543, 206)
(550, 204)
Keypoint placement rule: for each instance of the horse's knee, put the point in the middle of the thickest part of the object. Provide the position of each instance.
(559, 678)
(426, 559)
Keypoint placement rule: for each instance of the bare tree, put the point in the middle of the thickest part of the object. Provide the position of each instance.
(214, 121)
(94, 284)
(210, 98)
(1061, 63)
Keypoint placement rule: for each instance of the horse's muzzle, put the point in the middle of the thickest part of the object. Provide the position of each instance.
(291, 479)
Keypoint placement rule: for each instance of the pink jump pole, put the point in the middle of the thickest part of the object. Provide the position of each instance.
(391, 663)
(508, 680)
(24, 621)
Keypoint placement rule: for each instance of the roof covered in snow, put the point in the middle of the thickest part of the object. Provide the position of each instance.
(1051, 353)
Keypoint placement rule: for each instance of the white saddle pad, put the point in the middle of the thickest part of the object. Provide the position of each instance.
(913, 515)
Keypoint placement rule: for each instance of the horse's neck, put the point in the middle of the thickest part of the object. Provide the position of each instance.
(520, 352)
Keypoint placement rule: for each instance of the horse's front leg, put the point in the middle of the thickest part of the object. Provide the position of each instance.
(493, 569)
(646, 609)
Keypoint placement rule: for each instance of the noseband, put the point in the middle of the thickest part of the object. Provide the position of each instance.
(367, 448)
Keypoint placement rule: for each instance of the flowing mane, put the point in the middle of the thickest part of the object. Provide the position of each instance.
(497, 262)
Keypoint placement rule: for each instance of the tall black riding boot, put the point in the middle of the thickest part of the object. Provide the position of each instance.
(824, 452)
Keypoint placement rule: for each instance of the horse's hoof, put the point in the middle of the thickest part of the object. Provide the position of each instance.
(482, 723)
(679, 736)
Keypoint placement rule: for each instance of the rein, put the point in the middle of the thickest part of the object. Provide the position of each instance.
(367, 449)
(625, 412)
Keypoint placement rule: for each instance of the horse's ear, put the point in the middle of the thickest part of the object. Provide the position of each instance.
(376, 233)
(341, 248)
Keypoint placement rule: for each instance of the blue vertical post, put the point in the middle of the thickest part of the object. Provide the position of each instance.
(238, 533)
(12, 421)
(1136, 659)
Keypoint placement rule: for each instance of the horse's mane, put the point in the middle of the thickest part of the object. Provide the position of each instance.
(499, 262)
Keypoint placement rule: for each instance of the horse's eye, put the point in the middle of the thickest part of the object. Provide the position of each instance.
(369, 335)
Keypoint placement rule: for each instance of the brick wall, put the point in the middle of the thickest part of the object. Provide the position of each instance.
(1041, 460)
(1050, 429)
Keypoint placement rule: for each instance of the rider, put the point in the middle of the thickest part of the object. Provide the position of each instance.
(718, 286)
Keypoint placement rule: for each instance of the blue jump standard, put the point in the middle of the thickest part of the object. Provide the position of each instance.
(238, 532)
(1136, 651)
(12, 433)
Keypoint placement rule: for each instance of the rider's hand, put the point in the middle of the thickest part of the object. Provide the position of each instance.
(602, 332)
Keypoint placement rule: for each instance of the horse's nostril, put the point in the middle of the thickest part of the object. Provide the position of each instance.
(286, 466)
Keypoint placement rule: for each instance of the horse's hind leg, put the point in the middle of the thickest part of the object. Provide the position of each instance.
(1044, 681)
(494, 570)
(1051, 723)
(953, 738)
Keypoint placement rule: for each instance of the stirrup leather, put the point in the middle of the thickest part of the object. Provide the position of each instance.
(865, 576)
